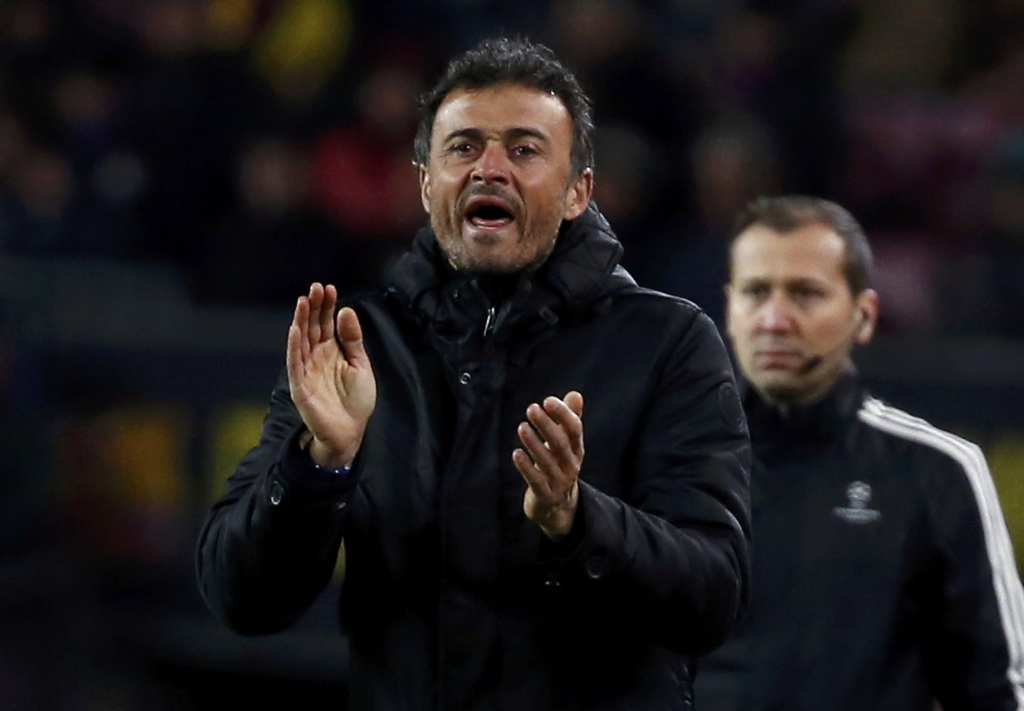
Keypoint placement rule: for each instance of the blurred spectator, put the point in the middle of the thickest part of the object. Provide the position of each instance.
(994, 30)
(182, 129)
(13, 145)
(29, 40)
(629, 183)
(999, 88)
(363, 177)
(302, 47)
(732, 162)
(273, 247)
(231, 24)
(906, 274)
(137, 112)
(110, 176)
(453, 24)
(908, 47)
(913, 161)
(46, 213)
(1004, 242)
(608, 44)
(85, 105)
(780, 57)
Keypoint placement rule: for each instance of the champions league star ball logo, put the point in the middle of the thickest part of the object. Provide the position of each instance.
(859, 494)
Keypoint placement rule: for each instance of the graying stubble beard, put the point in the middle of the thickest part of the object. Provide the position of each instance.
(455, 256)
(459, 260)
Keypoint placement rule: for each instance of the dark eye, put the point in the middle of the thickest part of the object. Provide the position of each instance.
(524, 150)
(462, 149)
(807, 293)
(756, 291)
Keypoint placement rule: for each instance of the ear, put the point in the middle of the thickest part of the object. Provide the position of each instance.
(577, 197)
(867, 307)
(425, 188)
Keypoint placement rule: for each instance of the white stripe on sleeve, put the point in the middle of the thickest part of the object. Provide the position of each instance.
(1005, 579)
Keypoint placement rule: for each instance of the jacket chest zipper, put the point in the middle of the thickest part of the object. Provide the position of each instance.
(489, 323)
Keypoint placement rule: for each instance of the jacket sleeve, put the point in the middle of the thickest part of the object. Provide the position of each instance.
(672, 553)
(269, 545)
(977, 659)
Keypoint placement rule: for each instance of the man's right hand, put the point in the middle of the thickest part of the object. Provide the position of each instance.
(332, 385)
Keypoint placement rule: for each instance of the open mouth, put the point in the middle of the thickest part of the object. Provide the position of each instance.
(488, 212)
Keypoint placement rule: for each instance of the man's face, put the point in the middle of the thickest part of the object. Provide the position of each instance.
(791, 315)
(499, 181)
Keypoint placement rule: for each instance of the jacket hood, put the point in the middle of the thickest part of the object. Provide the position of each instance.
(582, 269)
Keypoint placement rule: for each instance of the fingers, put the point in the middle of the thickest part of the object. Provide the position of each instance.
(316, 308)
(300, 323)
(550, 434)
(294, 362)
(350, 333)
(535, 479)
(314, 314)
(574, 400)
(553, 442)
(314, 323)
(543, 457)
(327, 312)
(560, 426)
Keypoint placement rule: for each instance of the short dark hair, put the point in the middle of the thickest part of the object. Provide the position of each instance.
(512, 61)
(788, 213)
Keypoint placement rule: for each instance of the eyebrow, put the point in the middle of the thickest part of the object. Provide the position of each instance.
(785, 283)
(512, 133)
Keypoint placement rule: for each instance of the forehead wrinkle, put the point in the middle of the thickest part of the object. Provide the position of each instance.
(509, 133)
(526, 132)
(483, 100)
(465, 133)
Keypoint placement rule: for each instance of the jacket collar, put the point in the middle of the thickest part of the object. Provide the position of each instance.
(776, 429)
(583, 268)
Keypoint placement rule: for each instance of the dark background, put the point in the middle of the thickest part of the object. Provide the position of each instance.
(173, 173)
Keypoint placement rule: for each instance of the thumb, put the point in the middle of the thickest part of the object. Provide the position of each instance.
(350, 333)
(574, 401)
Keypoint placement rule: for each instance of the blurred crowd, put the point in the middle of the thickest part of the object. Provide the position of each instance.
(253, 146)
(257, 145)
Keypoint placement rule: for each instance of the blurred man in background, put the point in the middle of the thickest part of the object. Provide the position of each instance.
(883, 572)
(489, 564)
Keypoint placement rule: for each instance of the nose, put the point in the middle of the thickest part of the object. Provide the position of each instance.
(776, 315)
(492, 166)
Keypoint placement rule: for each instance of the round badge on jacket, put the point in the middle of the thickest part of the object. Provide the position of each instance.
(730, 406)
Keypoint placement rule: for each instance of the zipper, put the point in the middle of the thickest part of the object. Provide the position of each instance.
(489, 323)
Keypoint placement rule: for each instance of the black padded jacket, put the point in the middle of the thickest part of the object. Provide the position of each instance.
(884, 578)
(452, 599)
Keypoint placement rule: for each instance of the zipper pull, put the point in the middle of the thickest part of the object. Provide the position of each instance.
(489, 323)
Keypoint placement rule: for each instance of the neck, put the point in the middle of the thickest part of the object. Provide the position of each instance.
(784, 400)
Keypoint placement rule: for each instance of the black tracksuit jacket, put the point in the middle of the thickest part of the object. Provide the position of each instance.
(454, 600)
(884, 577)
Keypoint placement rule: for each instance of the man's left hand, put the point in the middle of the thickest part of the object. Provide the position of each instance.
(550, 464)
